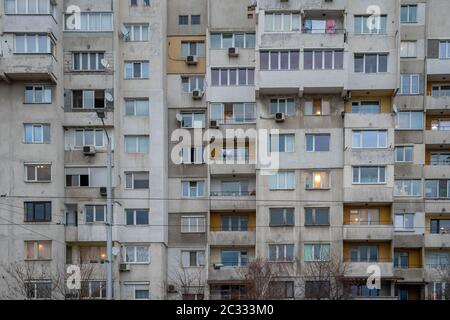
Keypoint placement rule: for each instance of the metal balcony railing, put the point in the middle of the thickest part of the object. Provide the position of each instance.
(232, 193)
(323, 31)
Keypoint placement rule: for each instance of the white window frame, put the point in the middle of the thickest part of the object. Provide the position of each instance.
(397, 120)
(274, 140)
(33, 138)
(198, 51)
(369, 183)
(437, 88)
(50, 47)
(359, 144)
(186, 152)
(36, 167)
(142, 65)
(131, 32)
(403, 151)
(237, 84)
(413, 78)
(278, 52)
(290, 16)
(405, 182)
(438, 189)
(408, 49)
(281, 252)
(310, 180)
(193, 224)
(94, 213)
(36, 244)
(197, 188)
(191, 115)
(314, 135)
(200, 261)
(102, 285)
(138, 286)
(378, 63)
(98, 57)
(132, 173)
(137, 144)
(314, 247)
(90, 174)
(135, 102)
(380, 30)
(86, 17)
(196, 79)
(286, 175)
(94, 131)
(46, 94)
(233, 40)
(27, 7)
(446, 44)
(134, 258)
(282, 105)
(134, 211)
(224, 120)
(409, 6)
(313, 61)
(403, 226)
(361, 103)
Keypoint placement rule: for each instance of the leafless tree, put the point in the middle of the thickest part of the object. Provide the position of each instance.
(442, 273)
(325, 280)
(185, 282)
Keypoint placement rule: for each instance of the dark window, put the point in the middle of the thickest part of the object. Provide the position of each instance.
(38, 211)
(183, 20)
(317, 289)
(195, 19)
(317, 216)
(77, 97)
(281, 217)
(99, 99)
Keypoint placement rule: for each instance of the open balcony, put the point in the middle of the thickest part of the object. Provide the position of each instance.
(437, 103)
(368, 193)
(28, 67)
(438, 68)
(369, 120)
(368, 232)
(437, 240)
(359, 269)
(232, 238)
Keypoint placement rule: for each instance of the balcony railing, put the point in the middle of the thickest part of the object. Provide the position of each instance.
(440, 126)
(233, 120)
(232, 193)
(323, 31)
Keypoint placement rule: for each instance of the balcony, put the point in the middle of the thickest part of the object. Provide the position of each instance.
(232, 238)
(227, 200)
(363, 156)
(409, 274)
(386, 81)
(437, 171)
(369, 120)
(366, 193)
(88, 119)
(368, 232)
(86, 233)
(28, 67)
(359, 269)
(226, 273)
(437, 240)
(438, 68)
(437, 103)
(438, 137)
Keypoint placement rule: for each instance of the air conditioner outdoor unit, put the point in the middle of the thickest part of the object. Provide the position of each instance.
(171, 288)
(191, 60)
(280, 117)
(124, 267)
(103, 191)
(233, 52)
(214, 124)
(89, 150)
(197, 94)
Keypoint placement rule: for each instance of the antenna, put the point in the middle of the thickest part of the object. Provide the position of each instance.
(179, 117)
(104, 63)
(124, 31)
(394, 108)
(109, 97)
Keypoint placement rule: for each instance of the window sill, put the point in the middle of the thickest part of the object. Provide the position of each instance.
(37, 103)
(36, 260)
(49, 181)
(317, 225)
(317, 189)
(137, 263)
(281, 226)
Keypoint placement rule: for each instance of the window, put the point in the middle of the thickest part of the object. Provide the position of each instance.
(233, 258)
(319, 26)
(189, 84)
(317, 289)
(233, 188)
(193, 224)
(90, 254)
(93, 289)
(193, 189)
(280, 217)
(365, 107)
(282, 142)
(89, 137)
(95, 213)
(234, 223)
(133, 3)
(192, 119)
(90, 22)
(440, 158)
(369, 139)
(34, 43)
(137, 217)
(440, 226)
(138, 291)
(316, 252)
(317, 142)
(282, 180)
(232, 40)
(136, 144)
(282, 22)
(136, 32)
(282, 105)
(279, 60)
(323, 59)
(317, 107)
(440, 124)
(444, 49)
(317, 216)
(94, 177)
(408, 49)
(369, 175)
(38, 289)
(409, 84)
(365, 217)
(442, 90)
(136, 70)
(404, 222)
(404, 154)
(371, 63)
(408, 13)
(436, 189)
(233, 77)
(38, 172)
(183, 20)
(438, 260)
(361, 290)
(191, 155)
(317, 180)
(136, 180)
(38, 94)
(409, 120)
(281, 252)
(38, 250)
(282, 289)
(88, 61)
(375, 24)
(363, 253)
(28, 7)
(193, 258)
(36, 133)
(137, 254)
(235, 154)
(192, 48)
(408, 188)
(195, 19)
(38, 211)
(137, 107)
(233, 113)
(88, 99)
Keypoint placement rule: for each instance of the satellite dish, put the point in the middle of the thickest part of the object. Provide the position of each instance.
(104, 63)
(124, 31)
(115, 251)
(394, 108)
(179, 117)
(109, 97)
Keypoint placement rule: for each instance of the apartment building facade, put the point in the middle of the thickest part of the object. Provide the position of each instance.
(352, 98)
